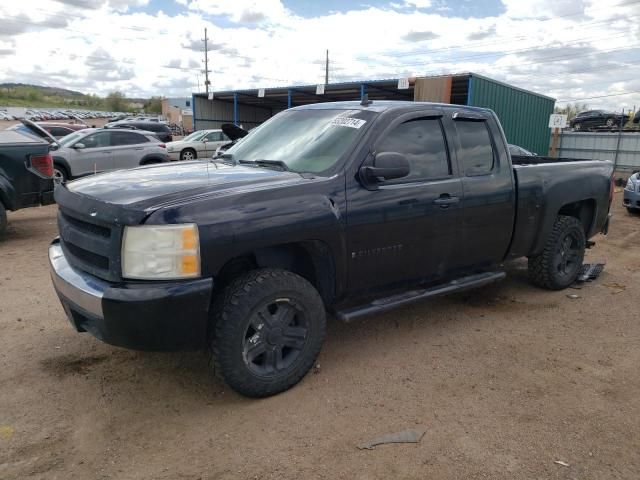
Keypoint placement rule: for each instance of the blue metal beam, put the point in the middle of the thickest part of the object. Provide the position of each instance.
(289, 98)
(193, 110)
(235, 109)
(363, 90)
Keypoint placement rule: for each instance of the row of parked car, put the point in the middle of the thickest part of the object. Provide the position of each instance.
(57, 152)
(77, 150)
(58, 114)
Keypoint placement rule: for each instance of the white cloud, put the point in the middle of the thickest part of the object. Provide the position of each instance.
(263, 44)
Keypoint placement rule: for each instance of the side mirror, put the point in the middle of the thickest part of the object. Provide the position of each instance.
(79, 146)
(387, 166)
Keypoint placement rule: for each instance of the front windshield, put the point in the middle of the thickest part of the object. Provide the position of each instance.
(72, 137)
(304, 140)
(193, 137)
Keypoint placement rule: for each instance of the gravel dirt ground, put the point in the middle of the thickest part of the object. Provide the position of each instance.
(507, 380)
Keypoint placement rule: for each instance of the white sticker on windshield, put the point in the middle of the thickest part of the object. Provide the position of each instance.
(348, 122)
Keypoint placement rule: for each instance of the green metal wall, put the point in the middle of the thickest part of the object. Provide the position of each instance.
(524, 115)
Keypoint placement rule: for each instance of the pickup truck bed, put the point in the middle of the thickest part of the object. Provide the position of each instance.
(343, 207)
(25, 173)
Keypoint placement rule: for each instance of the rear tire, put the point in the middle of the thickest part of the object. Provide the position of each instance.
(3, 220)
(268, 329)
(188, 154)
(560, 262)
(610, 122)
(60, 174)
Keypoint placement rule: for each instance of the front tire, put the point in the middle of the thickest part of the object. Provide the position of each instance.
(188, 154)
(577, 127)
(560, 262)
(610, 122)
(268, 329)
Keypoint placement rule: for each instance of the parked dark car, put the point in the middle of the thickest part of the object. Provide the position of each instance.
(636, 117)
(517, 151)
(597, 118)
(59, 130)
(354, 208)
(161, 130)
(26, 170)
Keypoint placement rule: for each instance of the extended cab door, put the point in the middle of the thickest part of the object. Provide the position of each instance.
(405, 229)
(489, 193)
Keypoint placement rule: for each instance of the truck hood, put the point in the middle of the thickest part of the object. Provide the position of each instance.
(157, 185)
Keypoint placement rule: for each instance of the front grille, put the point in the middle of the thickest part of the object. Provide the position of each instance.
(90, 245)
(91, 227)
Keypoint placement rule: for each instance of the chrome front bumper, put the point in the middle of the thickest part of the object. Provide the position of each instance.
(83, 290)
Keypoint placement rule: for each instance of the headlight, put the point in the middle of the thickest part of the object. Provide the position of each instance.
(160, 252)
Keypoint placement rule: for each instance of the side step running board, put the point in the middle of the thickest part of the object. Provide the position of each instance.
(412, 296)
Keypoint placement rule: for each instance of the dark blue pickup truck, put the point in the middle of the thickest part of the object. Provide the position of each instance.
(349, 208)
(26, 170)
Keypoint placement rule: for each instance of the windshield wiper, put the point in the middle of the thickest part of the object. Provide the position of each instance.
(267, 163)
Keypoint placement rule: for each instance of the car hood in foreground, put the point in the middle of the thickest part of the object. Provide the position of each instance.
(156, 185)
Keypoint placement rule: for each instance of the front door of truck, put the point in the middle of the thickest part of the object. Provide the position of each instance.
(406, 229)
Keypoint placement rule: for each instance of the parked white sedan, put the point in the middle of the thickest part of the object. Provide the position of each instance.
(200, 144)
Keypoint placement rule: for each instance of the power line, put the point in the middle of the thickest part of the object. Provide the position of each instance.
(600, 96)
(511, 52)
(504, 39)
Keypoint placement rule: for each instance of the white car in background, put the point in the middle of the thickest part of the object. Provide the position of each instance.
(200, 144)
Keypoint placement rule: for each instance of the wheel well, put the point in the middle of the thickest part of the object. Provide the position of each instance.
(311, 260)
(150, 161)
(584, 210)
(61, 167)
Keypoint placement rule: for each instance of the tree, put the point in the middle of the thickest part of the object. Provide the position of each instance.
(153, 105)
(115, 101)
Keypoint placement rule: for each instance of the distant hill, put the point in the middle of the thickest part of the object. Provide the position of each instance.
(37, 96)
(51, 91)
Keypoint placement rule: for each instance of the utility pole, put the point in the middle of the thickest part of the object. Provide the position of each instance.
(206, 62)
(326, 70)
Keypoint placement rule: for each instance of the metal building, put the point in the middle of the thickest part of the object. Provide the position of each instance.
(524, 115)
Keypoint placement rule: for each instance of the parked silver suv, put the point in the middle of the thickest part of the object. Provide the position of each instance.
(97, 150)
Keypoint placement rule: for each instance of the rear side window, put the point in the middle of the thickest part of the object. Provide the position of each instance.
(214, 137)
(476, 148)
(96, 140)
(422, 142)
(59, 131)
(127, 138)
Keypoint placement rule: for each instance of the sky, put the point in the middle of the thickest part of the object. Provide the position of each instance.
(582, 51)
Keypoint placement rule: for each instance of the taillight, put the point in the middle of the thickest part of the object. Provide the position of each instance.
(162, 145)
(43, 164)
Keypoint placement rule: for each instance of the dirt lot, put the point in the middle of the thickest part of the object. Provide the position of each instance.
(506, 380)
